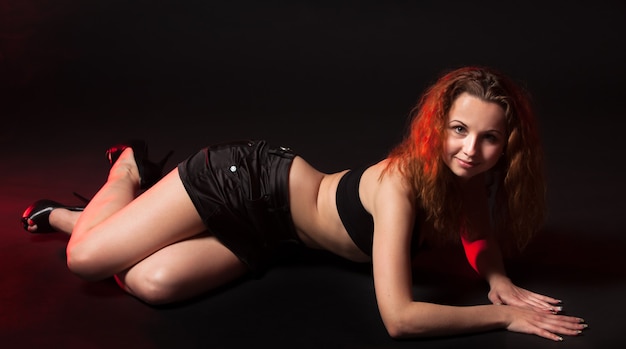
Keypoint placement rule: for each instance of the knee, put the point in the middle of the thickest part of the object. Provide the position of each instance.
(84, 263)
(154, 287)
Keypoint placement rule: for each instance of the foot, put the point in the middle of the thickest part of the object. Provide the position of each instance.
(149, 172)
(46, 216)
(125, 166)
(60, 220)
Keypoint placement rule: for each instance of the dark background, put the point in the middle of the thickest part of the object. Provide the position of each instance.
(334, 81)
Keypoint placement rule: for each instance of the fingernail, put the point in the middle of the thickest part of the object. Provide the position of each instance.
(560, 339)
(581, 320)
(559, 308)
(585, 325)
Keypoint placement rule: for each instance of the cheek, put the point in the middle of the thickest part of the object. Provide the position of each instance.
(446, 152)
(492, 154)
(449, 146)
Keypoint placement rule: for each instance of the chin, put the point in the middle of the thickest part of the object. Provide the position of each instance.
(464, 175)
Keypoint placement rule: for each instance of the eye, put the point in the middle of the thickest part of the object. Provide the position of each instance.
(459, 129)
(491, 138)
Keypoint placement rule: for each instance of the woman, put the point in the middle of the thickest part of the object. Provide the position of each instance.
(222, 212)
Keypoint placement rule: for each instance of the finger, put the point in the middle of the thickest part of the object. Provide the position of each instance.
(545, 299)
(540, 302)
(543, 306)
(525, 302)
(569, 326)
(549, 335)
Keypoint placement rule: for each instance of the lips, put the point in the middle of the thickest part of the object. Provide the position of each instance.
(466, 164)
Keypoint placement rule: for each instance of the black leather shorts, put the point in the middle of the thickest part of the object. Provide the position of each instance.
(241, 191)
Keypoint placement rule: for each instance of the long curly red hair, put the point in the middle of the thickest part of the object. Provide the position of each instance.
(518, 178)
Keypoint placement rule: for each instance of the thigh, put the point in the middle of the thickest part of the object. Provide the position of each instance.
(182, 270)
(159, 217)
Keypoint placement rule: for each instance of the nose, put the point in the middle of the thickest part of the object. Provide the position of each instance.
(469, 146)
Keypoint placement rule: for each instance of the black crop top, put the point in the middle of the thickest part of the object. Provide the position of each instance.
(357, 221)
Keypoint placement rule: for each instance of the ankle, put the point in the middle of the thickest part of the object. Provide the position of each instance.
(63, 220)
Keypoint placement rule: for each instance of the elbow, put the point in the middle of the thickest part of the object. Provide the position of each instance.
(400, 328)
(395, 331)
(399, 331)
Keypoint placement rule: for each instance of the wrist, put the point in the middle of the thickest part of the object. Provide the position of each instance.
(497, 278)
(503, 315)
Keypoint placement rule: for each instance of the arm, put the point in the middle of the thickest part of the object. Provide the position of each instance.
(403, 317)
(484, 255)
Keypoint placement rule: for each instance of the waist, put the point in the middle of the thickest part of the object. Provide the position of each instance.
(314, 211)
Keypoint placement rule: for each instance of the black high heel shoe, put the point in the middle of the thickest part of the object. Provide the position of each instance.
(39, 213)
(149, 172)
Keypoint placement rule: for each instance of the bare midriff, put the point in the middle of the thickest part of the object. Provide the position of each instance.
(314, 211)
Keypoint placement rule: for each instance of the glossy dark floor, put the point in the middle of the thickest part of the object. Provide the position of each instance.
(333, 82)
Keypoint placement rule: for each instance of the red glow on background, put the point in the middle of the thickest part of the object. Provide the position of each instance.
(473, 249)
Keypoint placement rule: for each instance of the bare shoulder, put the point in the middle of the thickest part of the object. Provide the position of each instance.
(387, 195)
(383, 177)
(382, 183)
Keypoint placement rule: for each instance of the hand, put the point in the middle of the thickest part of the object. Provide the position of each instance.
(503, 291)
(543, 324)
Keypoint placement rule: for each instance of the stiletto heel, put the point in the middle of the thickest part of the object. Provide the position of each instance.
(39, 213)
(149, 172)
(82, 198)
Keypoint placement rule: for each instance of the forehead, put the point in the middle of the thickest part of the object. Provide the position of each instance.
(477, 113)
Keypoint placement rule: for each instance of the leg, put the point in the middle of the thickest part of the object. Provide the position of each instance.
(116, 231)
(62, 220)
(182, 270)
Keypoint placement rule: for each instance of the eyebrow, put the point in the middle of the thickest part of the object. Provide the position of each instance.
(465, 125)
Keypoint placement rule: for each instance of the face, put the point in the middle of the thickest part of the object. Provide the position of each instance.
(475, 136)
